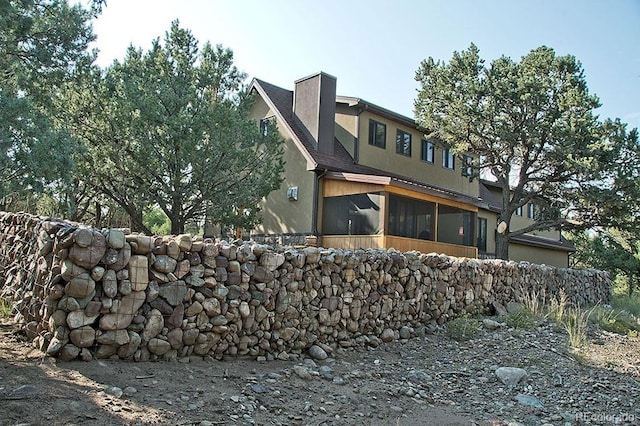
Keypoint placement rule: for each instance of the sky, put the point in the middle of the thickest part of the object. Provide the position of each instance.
(374, 47)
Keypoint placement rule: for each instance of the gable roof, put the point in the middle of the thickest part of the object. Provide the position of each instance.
(341, 162)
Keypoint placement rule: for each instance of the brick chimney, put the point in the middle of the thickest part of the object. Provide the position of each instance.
(314, 108)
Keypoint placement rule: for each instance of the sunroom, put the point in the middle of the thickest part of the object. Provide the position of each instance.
(368, 211)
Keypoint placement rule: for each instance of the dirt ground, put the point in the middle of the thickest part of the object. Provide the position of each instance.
(431, 380)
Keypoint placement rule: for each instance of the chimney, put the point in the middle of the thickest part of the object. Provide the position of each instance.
(314, 107)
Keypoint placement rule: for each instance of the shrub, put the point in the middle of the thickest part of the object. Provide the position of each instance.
(523, 318)
(575, 322)
(463, 328)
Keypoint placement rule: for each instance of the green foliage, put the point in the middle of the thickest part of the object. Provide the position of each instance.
(171, 127)
(522, 319)
(615, 320)
(575, 322)
(463, 328)
(630, 304)
(611, 250)
(532, 124)
(5, 308)
(156, 221)
(43, 44)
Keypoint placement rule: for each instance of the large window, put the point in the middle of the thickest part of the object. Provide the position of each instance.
(482, 235)
(411, 218)
(377, 133)
(357, 214)
(428, 151)
(448, 159)
(456, 226)
(403, 143)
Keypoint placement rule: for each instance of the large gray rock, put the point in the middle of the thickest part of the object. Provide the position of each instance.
(80, 286)
(155, 324)
(114, 337)
(83, 337)
(79, 318)
(165, 264)
(126, 309)
(173, 292)
(88, 249)
(139, 273)
(511, 376)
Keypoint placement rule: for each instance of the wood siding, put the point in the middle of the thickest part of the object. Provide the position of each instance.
(353, 242)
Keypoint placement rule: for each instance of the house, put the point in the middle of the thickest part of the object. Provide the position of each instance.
(361, 176)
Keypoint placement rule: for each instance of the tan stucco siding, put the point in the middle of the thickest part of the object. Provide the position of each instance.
(521, 252)
(346, 128)
(412, 167)
(281, 215)
(491, 228)
(519, 222)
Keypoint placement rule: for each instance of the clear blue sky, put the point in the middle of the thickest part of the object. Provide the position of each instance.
(374, 47)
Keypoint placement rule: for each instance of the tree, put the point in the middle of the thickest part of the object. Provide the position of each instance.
(532, 125)
(611, 250)
(171, 128)
(43, 44)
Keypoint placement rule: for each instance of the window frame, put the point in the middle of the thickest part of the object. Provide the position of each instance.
(401, 136)
(482, 233)
(518, 211)
(373, 127)
(427, 147)
(446, 156)
(531, 211)
(265, 123)
(467, 166)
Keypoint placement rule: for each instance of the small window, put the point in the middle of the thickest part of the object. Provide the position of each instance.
(448, 160)
(377, 134)
(267, 125)
(428, 151)
(531, 211)
(403, 143)
(519, 211)
(467, 165)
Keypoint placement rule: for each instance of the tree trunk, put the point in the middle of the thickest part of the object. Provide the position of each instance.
(177, 226)
(630, 277)
(502, 246)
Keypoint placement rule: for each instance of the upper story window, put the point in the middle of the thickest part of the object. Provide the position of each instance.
(519, 211)
(377, 133)
(267, 125)
(448, 159)
(467, 165)
(403, 143)
(531, 211)
(428, 151)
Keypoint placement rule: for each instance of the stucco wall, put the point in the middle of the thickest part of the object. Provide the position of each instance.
(412, 167)
(88, 293)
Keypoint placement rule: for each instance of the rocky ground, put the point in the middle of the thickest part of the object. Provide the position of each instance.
(429, 380)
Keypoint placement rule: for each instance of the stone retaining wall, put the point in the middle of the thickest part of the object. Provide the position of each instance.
(88, 293)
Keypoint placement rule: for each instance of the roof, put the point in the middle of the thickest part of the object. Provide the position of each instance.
(281, 101)
(491, 199)
(536, 241)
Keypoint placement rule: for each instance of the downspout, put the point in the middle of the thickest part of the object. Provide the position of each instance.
(356, 142)
(314, 216)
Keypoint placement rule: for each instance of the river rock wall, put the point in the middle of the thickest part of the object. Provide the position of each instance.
(87, 293)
